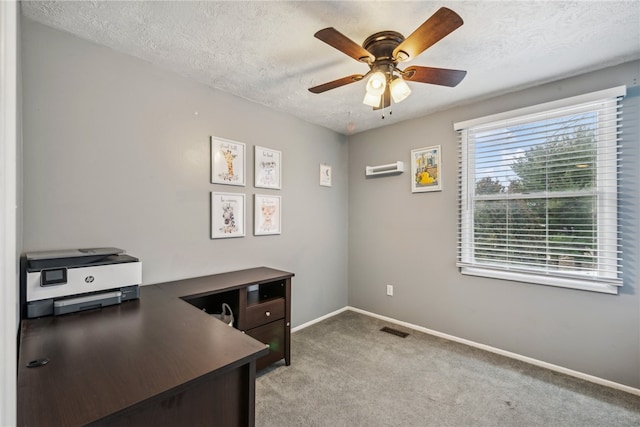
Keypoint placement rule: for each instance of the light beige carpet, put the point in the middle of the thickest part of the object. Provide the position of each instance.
(346, 372)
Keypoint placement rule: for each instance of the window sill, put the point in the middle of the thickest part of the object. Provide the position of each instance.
(540, 279)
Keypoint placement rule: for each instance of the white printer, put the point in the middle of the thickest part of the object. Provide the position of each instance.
(66, 281)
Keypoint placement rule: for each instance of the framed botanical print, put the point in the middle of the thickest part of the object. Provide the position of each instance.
(227, 215)
(426, 168)
(267, 168)
(267, 215)
(227, 162)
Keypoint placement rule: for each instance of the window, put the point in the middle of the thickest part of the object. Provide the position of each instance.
(538, 194)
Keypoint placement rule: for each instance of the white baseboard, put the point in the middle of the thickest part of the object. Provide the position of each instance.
(319, 319)
(516, 356)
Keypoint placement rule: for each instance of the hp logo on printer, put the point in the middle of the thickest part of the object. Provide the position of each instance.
(89, 279)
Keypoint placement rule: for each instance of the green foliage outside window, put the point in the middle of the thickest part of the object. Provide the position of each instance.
(545, 213)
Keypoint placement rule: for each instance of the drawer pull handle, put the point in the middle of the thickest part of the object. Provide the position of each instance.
(268, 313)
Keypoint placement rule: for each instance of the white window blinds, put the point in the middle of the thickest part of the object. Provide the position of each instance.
(538, 193)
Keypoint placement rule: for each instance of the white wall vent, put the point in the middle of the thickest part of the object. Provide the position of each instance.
(391, 168)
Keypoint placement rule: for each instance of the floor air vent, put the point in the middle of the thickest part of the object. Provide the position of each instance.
(395, 332)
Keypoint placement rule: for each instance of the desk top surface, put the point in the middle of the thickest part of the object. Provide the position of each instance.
(202, 286)
(103, 361)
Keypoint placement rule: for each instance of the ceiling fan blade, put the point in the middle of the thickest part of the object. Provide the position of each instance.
(434, 76)
(386, 99)
(344, 44)
(336, 83)
(434, 29)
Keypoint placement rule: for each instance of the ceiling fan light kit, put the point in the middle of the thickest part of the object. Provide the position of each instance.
(400, 90)
(377, 83)
(383, 51)
(372, 100)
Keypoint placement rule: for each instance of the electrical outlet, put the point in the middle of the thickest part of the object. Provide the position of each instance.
(390, 290)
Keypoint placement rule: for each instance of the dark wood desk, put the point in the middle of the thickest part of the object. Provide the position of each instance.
(154, 361)
(259, 297)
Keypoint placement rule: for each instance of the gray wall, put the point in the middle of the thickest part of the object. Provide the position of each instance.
(115, 155)
(409, 240)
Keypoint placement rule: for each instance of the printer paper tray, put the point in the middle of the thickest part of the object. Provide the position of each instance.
(88, 302)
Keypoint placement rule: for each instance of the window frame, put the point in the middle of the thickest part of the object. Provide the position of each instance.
(606, 215)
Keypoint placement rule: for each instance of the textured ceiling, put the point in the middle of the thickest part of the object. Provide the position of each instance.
(264, 51)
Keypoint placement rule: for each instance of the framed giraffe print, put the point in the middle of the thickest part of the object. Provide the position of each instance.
(227, 162)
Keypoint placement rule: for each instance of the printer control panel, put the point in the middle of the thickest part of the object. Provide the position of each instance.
(54, 276)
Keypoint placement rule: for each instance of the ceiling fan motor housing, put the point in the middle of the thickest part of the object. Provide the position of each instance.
(382, 44)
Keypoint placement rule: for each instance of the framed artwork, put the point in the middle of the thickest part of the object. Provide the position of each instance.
(267, 215)
(227, 162)
(426, 170)
(325, 175)
(227, 215)
(267, 168)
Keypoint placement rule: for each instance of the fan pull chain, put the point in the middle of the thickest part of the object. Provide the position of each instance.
(390, 113)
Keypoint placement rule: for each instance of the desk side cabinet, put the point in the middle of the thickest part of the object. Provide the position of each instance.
(261, 310)
(264, 313)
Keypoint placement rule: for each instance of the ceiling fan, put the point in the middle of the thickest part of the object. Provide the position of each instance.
(383, 51)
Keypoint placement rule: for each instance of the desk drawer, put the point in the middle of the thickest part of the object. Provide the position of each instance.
(272, 334)
(263, 313)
